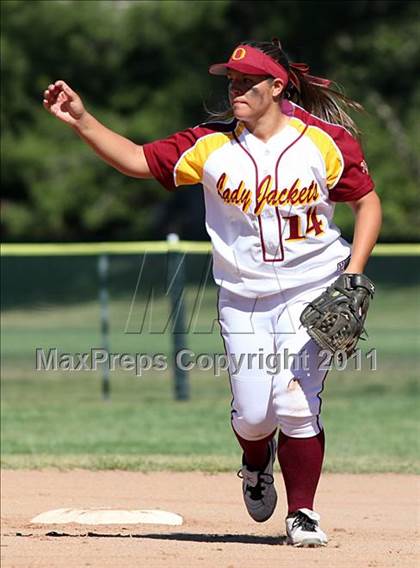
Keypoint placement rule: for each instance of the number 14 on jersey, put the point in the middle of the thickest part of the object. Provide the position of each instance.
(296, 231)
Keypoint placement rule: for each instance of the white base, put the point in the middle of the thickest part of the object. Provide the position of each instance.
(108, 517)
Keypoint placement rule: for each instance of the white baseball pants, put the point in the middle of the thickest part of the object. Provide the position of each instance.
(275, 368)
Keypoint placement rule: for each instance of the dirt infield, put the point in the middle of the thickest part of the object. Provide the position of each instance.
(371, 520)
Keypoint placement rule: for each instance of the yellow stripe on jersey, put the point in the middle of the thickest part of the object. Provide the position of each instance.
(333, 158)
(189, 168)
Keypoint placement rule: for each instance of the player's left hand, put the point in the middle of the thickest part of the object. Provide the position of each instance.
(335, 320)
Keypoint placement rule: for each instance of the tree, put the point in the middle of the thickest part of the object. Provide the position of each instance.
(141, 69)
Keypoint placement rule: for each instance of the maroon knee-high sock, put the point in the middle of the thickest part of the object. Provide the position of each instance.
(255, 451)
(301, 462)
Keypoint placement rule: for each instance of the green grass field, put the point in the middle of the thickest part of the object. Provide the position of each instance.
(59, 418)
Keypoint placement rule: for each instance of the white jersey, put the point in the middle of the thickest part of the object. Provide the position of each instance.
(269, 206)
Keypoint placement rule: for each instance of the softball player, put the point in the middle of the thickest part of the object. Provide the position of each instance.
(272, 170)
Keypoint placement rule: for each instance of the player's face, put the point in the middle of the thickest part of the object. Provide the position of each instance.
(251, 96)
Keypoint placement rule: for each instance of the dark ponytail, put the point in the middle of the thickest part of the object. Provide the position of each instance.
(318, 96)
(314, 94)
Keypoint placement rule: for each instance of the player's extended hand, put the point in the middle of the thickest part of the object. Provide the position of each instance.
(61, 101)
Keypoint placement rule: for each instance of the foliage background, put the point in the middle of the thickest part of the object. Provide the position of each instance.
(141, 68)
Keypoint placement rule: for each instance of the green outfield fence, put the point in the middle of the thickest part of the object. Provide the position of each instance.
(157, 247)
(51, 292)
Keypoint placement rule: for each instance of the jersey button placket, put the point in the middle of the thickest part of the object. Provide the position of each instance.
(266, 162)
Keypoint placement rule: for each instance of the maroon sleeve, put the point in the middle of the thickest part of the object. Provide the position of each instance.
(163, 155)
(355, 181)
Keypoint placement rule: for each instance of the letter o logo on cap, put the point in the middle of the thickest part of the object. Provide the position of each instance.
(238, 54)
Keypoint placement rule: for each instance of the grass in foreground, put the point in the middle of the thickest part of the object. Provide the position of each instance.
(371, 425)
(59, 419)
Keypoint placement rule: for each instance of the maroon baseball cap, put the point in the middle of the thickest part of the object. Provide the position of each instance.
(251, 61)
